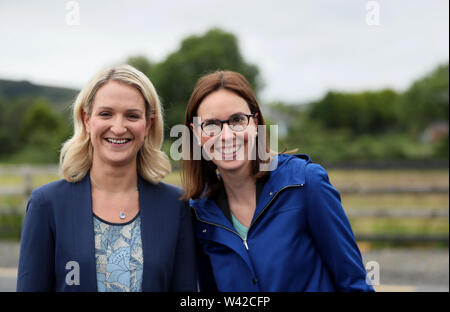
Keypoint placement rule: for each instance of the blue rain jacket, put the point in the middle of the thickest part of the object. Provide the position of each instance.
(299, 239)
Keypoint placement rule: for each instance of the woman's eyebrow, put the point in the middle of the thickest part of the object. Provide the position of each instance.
(104, 107)
(128, 110)
(228, 116)
(134, 110)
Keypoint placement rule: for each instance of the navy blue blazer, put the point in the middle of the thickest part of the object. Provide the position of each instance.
(59, 229)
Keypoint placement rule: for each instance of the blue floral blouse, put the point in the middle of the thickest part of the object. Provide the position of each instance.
(118, 255)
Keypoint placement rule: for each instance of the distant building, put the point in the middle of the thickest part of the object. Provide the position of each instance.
(280, 118)
(435, 132)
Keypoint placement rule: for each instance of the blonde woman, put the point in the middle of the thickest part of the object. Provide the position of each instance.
(110, 224)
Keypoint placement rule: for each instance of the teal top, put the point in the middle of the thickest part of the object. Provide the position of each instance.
(241, 229)
(118, 255)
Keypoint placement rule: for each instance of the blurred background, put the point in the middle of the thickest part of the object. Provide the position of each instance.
(360, 86)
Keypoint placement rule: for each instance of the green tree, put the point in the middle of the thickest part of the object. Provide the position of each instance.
(175, 77)
(142, 63)
(11, 119)
(362, 113)
(426, 101)
(42, 132)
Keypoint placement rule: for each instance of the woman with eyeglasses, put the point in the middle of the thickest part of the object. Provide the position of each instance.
(262, 223)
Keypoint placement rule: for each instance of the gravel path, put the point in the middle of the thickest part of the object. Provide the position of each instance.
(399, 269)
(423, 269)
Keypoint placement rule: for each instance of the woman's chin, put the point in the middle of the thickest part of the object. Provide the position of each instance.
(231, 165)
(118, 160)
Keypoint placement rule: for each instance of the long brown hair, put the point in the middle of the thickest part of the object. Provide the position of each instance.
(196, 175)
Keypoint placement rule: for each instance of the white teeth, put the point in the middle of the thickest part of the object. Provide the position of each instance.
(117, 141)
(229, 150)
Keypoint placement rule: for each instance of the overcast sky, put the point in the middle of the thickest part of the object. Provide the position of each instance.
(303, 48)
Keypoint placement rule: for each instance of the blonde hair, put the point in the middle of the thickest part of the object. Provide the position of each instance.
(76, 154)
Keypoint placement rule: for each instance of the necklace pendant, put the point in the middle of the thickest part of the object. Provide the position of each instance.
(122, 215)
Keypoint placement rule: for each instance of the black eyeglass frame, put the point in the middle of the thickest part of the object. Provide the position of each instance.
(227, 121)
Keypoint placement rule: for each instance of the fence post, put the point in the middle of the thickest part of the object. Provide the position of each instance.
(28, 182)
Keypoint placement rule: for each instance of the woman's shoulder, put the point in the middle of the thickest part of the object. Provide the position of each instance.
(288, 161)
(59, 190)
(51, 189)
(170, 189)
(48, 197)
(161, 192)
(163, 195)
(164, 189)
(300, 166)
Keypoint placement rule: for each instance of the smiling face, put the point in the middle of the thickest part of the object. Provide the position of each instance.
(117, 124)
(228, 150)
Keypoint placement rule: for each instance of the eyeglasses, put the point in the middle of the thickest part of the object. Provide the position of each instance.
(237, 122)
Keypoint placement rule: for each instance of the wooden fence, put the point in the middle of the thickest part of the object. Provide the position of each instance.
(27, 173)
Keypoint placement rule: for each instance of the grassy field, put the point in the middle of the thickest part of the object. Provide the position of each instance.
(386, 178)
(340, 179)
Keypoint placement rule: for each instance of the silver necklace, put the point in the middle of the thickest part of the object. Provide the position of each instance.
(122, 214)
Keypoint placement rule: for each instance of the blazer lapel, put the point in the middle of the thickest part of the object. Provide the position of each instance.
(151, 205)
(81, 206)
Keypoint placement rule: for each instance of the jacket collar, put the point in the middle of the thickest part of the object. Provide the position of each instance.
(289, 171)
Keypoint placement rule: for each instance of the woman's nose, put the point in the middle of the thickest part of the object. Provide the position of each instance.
(227, 134)
(118, 127)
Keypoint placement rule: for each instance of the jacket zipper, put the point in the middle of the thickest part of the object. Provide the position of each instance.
(223, 227)
(245, 243)
(260, 213)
